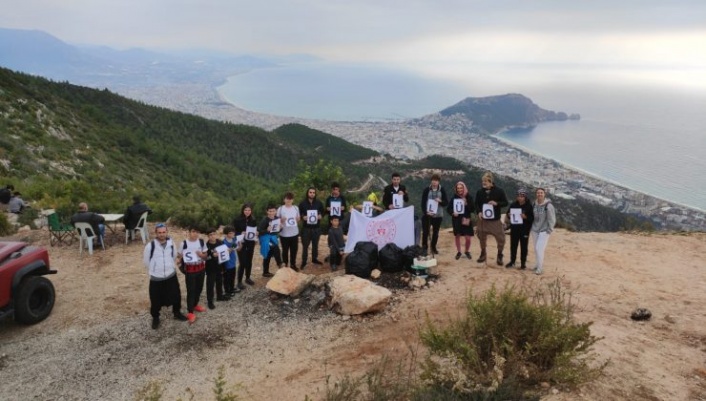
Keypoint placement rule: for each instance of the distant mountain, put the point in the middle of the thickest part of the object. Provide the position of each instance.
(493, 113)
(39, 53)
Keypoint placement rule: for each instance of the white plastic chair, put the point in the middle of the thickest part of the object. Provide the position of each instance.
(141, 227)
(87, 234)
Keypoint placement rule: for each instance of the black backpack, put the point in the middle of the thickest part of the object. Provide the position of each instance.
(5, 196)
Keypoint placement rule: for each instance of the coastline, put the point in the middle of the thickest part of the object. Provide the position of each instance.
(587, 173)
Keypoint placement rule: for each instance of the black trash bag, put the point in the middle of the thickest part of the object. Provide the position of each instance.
(358, 264)
(371, 249)
(391, 258)
(408, 255)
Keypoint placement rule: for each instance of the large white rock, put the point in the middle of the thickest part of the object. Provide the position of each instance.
(351, 295)
(288, 282)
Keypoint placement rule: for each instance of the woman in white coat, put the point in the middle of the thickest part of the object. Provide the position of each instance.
(542, 227)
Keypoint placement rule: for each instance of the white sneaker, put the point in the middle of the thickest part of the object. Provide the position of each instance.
(537, 272)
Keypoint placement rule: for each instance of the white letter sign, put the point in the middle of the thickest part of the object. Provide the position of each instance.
(223, 254)
(488, 211)
(190, 257)
(335, 208)
(274, 226)
(398, 201)
(290, 222)
(432, 206)
(250, 233)
(368, 209)
(459, 206)
(515, 216)
(312, 216)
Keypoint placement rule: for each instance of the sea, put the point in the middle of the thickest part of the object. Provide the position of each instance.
(648, 138)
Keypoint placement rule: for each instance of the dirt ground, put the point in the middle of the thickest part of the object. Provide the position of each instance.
(98, 343)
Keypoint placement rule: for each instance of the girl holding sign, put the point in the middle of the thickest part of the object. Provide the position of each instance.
(433, 201)
(520, 216)
(460, 209)
(246, 226)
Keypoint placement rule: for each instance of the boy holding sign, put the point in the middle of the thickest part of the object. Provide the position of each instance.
(216, 256)
(520, 216)
(395, 195)
(193, 254)
(489, 202)
(433, 202)
(269, 229)
(233, 246)
(336, 204)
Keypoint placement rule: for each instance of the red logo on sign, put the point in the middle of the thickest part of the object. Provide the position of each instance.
(381, 232)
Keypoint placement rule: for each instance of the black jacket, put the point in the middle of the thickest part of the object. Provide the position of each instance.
(470, 207)
(526, 226)
(493, 194)
(387, 195)
(314, 205)
(133, 214)
(425, 198)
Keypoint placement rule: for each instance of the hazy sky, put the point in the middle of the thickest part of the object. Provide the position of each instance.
(632, 40)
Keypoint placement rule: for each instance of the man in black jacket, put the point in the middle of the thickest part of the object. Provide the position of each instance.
(134, 212)
(311, 227)
(394, 188)
(489, 202)
(96, 221)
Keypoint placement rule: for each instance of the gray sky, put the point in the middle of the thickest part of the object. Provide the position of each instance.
(641, 40)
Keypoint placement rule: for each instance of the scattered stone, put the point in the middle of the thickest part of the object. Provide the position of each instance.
(640, 314)
(353, 295)
(24, 229)
(375, 274)
(417, 282)
(671, 319)
(545, 385)
(288, 282)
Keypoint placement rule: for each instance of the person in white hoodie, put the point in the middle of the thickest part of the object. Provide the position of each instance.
(542, 227)
(158, 258)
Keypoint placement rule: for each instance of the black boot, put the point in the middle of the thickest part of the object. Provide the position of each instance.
(481, 259)
(500, 259)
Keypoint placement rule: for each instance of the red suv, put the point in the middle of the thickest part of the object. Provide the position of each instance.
(24, 291)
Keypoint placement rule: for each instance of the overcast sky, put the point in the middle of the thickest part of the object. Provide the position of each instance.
(641, 40)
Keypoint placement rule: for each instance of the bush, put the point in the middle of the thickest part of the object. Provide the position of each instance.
(510, 341)
(5, 227)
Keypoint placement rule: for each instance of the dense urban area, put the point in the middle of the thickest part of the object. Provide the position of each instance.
(435, 134)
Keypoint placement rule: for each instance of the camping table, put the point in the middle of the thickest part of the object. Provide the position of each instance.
(111, 222)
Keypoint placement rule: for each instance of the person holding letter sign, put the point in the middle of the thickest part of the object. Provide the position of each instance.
(246, 226)
(520, 216)
(489, 202)
(433, 202)
(214, 267)
(289, 236)
(193, 254)
(231, 242)
(460, 208)
(336, 204)
(268, 229)
(394, 196)
(542, 227)
(311, 210)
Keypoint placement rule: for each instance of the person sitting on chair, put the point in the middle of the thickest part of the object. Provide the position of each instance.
(134, 212)
(96, 221)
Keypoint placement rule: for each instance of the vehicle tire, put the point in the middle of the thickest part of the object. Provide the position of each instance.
(35, 299)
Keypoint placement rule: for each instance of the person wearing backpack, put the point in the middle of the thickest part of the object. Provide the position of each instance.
(195, 270)
(164, 290)
(542, 227)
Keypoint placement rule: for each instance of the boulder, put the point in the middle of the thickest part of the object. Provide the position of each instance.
(288, 282)
(353, 295)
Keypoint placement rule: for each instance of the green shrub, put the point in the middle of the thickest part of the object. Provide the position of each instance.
(28, 217)
(513, 336)
(5, 227)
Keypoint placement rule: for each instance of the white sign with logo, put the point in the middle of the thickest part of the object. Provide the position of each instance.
(488, 211)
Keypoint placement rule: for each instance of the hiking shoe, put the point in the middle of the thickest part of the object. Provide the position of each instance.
(434, 251)
(180, 317)
(268, 274)
(155, 323)
(190, 317)
(458, 255)
(482, 258)
(223, 298)
(316, 262)
(211, 305)
(333, 268)
(248, 281)
(509, 265)
(468, 255)
(538, 272)
(199, 308)
(241, 286)
(523, 266)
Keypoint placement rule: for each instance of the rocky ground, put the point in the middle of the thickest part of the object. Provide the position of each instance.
(98, 344)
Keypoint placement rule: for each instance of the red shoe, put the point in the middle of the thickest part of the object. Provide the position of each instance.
(190, 317)
(199, 308)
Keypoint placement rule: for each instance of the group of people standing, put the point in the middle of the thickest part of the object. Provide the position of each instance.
(284, 225)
